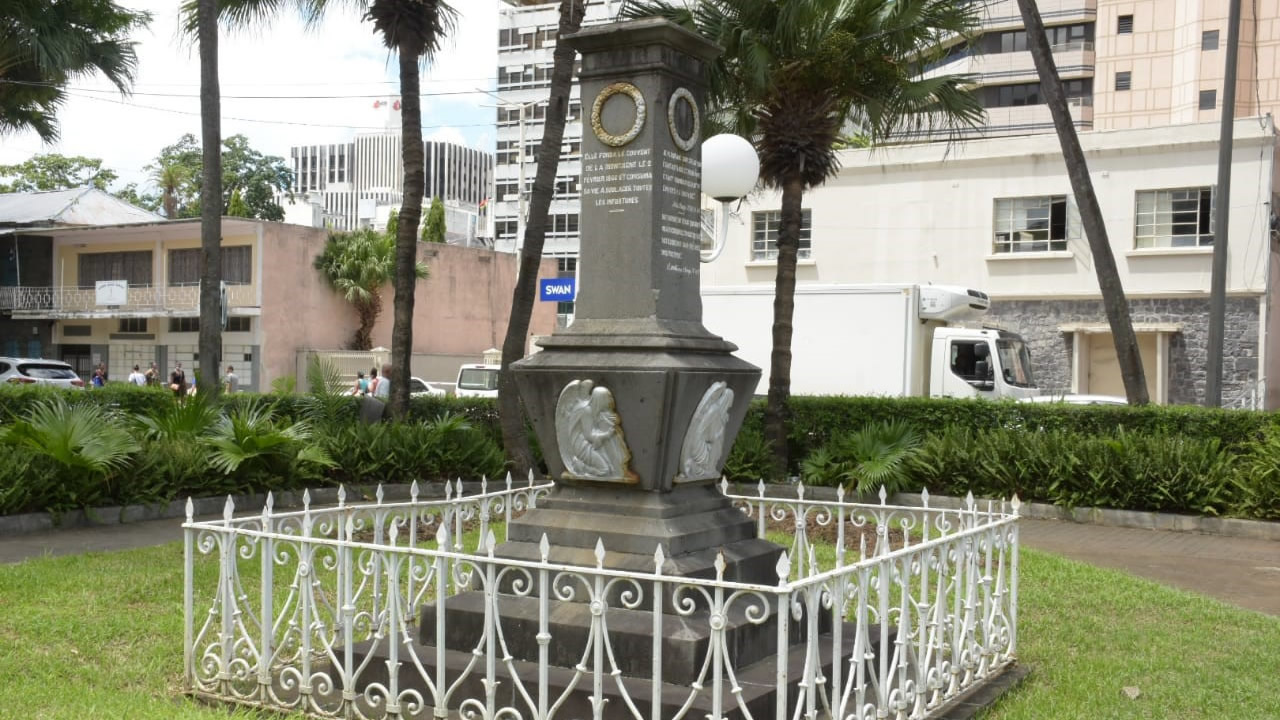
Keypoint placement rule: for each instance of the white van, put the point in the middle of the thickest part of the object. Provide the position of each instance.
(478, 380)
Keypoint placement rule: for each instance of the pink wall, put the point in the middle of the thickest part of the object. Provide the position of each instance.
(299, 310)
(463, 306)
(460, 309)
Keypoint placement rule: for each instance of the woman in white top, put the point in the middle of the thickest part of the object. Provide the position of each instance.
(137, 378)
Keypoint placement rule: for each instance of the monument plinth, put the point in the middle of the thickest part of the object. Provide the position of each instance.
(636, 404)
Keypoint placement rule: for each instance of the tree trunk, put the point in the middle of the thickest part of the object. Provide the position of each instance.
(510, 410)
(1104, 262)
(777, 414)
(405, 279)
(210, 348)
(368, 311)
(171, 201)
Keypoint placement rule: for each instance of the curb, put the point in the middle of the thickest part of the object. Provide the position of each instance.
(1104, 517)
(122, 515)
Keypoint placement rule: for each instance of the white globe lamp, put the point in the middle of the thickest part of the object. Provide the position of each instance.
(730, 168)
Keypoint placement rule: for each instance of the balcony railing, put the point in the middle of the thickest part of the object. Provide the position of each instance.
(159, 299)
(404, 610)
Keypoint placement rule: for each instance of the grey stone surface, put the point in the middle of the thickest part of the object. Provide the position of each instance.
(1038, 322)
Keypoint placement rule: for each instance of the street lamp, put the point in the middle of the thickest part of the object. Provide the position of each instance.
(730, 168)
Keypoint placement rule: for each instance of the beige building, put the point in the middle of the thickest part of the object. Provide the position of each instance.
(1124, 64)
(129, 294)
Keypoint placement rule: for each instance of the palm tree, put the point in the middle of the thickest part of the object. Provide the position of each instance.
(793, 76)
(1095, 228)
(45, 45)
(169, 179)
(210, 198)
(415, 30)
(359, 265)
(514, 439)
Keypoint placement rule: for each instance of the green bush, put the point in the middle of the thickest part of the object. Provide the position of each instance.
(875, 456)
(1259, 483)
(1123, 469)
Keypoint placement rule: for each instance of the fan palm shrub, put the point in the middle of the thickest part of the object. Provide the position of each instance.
(85, 444)
(875, 456)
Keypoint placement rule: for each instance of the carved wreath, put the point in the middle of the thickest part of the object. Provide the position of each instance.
(685, 144)
(597, 126)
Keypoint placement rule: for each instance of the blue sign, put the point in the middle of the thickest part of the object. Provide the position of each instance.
(557, 289)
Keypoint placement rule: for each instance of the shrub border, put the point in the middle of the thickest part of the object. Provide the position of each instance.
(27, 523)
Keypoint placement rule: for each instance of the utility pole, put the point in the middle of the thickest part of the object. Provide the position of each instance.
(521, 212)
(1221, 214)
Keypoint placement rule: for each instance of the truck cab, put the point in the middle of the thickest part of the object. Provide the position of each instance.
(478, 380)
(984, 363)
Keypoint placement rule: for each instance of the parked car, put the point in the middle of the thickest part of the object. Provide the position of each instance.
(1078, 399)
(419, 387)
(34, 371)
(477, 380)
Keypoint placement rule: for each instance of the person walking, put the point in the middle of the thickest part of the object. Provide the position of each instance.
(373, 382)
(362, 385)
(137, 378)
(178, 381)
(383, 390)
(230, 383)
(153, 375)
(98, 380)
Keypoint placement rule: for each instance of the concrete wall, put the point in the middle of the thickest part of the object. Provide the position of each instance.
(460, 310)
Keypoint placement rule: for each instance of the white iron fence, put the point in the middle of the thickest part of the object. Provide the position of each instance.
(878, 611)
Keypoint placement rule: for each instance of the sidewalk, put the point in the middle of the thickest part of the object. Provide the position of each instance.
(1239, 571)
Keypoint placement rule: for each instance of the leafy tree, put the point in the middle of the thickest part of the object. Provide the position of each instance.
(45, 45)
(393, 223)
(359, 265)
(177, 174)
(793, 75)
(415, 29)
(514, 439)
(147, 201)
(433, 229)
(52, 171)
(237, 208)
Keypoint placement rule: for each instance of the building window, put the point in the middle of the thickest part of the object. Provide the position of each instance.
(1031, 224)
(1124, 25)
(133, 325)
(1208, 99)
(1209, 40)
(132, 267)
(1181, 217)
(764, 238)
(184, 266)
(184, 324)
(1123, 80)
(1029, 93)
(239, 323)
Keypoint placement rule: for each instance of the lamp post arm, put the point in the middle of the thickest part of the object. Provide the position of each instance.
(722, 233)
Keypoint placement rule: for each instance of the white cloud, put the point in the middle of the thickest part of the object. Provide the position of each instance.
(340, 57)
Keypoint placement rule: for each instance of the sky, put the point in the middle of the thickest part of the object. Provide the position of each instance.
(341, 57)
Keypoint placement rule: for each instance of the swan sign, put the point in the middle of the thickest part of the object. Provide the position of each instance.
(558, 289)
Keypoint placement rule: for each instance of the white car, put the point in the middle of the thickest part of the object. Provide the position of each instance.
(33, 371)
(476, 380)
(421, 388)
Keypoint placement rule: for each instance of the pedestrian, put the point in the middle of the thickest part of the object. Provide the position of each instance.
(383, 390)
(102, 369)
(178, 381)
(362, 385)
(194, 379)
(373, 382)
(137, 378)
(230, 382)
(97, 378)
(153, 375)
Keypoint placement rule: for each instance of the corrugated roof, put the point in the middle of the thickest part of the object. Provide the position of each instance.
(80, 206)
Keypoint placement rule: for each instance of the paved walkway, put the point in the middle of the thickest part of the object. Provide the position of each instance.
(1236, 570)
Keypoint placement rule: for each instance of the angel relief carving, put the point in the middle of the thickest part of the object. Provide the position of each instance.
(704, 442)
(589, 433)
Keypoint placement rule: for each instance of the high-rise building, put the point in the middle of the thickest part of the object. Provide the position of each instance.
(360, 182)
(526, 41)
(1123, 64)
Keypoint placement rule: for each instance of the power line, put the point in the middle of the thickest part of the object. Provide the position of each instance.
(266, 122)
(442, 93)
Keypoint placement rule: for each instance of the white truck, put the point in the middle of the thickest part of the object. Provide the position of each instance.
(893, 340)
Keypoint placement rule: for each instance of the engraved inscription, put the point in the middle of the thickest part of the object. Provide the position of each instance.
(680, 222)
(612, 178)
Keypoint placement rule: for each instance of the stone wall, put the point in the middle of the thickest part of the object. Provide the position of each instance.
(1051, 349)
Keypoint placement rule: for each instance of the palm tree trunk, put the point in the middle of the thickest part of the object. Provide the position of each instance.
(1104, 262)
(210, 202)
(405, 280)
(777, 414)
(510, 411)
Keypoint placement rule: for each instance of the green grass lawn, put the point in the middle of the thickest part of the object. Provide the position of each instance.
(100, 636)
